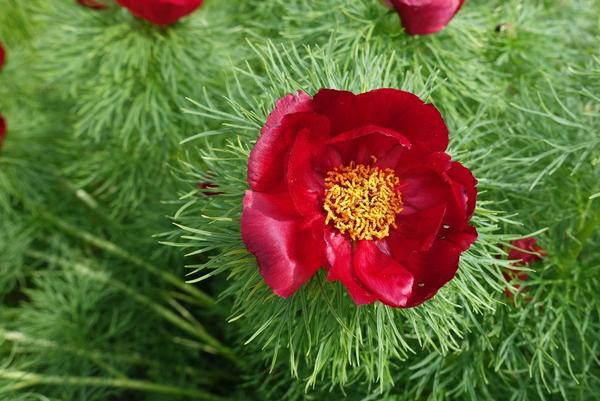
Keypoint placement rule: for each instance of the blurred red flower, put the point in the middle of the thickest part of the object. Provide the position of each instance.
(2, 130)
(360, 185)
(523, 252)
(208, 188)
(95, 4)
(422, 17)
(161, 12)
(2, 55)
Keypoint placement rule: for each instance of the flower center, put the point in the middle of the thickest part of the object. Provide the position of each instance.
(362, 200)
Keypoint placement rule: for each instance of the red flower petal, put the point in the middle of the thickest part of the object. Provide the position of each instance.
(416, 231)
(307, 163)
(422, 190)
(431, 270)
(161, 12)
(288, 248)
(397, 110)
(359, 144)
(464, 187)
(338, 250)
(422, 17)
(462, 238)
(389, 281)
(268, 158)
(526, 251)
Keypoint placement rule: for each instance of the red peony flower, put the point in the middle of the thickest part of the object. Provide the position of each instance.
(161, 12)
(2, 130)
(2, 55)
(422, 17)
(524, 252)
(360, 185)
(95, 4)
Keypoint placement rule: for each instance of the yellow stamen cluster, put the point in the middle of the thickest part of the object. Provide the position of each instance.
(362, 201)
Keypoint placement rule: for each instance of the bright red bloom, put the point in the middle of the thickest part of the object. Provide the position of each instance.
(95, 4)
(360, 185)
(422, 17)
(523, 252)
(2, 56)
(161, 12)
(2, 130)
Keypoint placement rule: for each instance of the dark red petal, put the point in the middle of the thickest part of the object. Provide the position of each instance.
(413, 162)
(268, 159)
(394, 109)
(338, 250)
(422, 190)
(516, 275)
(464, 186)
(432, 269)
(289, 249)
(405, 112)
(415, 231)
(2, 129)
(384, 277)
(461, 238)
(422, 17)
(2, 56)
(308, 163)
(360, 144)
(526, 251)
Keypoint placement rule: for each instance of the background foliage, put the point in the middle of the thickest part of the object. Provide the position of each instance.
(113, 123)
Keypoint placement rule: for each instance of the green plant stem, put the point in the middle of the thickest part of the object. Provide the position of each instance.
(590, 221)
(117, 251)
(97, 358)
(27, 379)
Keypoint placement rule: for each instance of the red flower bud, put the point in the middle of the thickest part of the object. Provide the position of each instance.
(422, 17)
(161, 12)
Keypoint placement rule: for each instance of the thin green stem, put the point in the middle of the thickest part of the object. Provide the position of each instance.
(589, 223)
(23, 379)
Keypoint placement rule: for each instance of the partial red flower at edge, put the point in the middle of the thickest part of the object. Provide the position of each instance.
(423, 17)
(524, 252)
(2, 55)
(161, 12)
(360, 185)
(94, 4)
(2, 130)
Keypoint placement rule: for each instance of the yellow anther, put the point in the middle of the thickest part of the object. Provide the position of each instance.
(362, 201)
